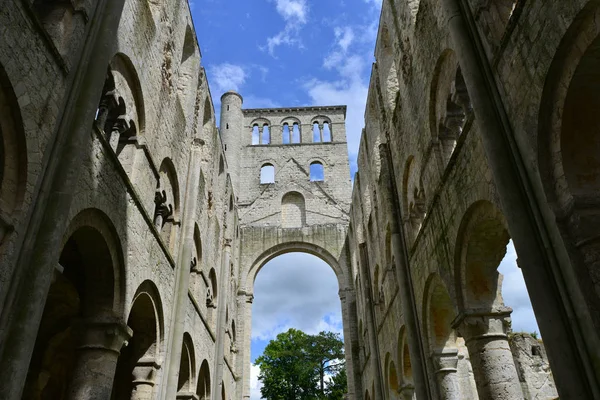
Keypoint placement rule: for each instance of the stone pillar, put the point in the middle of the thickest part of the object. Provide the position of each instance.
(407, 391)
(375, 358)
(352, 353)
(144, 379)
(557, 300)
(445, 363)
(183, 271)
(321, 133)
(97, 358)
(246, 311)
(221, 323)
(401, 267)
(486, 338)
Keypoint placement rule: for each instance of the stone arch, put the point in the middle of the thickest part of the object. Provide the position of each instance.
(484, 320)
(187, 368)
(568, 163)
(480, 246)
(139, 361)
(407, 387)
(87, 291)
(166, 215)
(391, 377)
(13, 158)
(291, 247)
(187, 80)
(207, 119)
(203, 387)
(293, 210)
(440, 337)
(450, 105)
(388, 69)
(128, 86)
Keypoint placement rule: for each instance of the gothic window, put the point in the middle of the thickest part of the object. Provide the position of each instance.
(267, 174)
(203, 388)
(317, 173)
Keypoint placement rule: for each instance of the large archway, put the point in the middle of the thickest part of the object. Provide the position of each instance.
(313, 251)
(84, 303)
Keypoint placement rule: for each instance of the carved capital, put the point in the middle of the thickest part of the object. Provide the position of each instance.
(445, 361)
(483, 324)
(104, 333)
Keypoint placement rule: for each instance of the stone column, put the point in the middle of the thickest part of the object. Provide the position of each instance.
(407, 391)
(183, 271)
(556, 296)
(401, 267)
(144, 379)
(486, 338)
(350, 325)
(97, 358)
(246, 299)
(221, 323)
(375, 358)
(445, 363)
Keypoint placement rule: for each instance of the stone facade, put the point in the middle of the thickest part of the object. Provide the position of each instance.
(132, 229)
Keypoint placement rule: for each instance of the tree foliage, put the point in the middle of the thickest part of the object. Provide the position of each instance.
(297, 366)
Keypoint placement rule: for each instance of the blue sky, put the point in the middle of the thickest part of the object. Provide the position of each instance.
(282, 53)
(291, 53)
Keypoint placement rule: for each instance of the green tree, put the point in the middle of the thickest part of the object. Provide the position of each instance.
(297, 366)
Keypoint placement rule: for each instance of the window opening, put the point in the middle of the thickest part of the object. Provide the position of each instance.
(316, 133)
(326, 132)
(286, 134)
(266, 135)
(296, 133)
(316, 172)
(255, 135)
(267, 174)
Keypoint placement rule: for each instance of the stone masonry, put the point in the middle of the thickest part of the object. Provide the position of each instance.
(132, 228)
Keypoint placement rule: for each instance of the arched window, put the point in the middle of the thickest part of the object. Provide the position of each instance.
(203, 387)
(266, 135)
(286, 139)
(267, 174)
(255, 135)
(316, 133)
(317, 173)
(296, 133)
(327, 132)
(293, 210)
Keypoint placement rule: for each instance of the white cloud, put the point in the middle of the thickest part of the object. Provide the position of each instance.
(514, 293)
(255, 384)
(292, 10)
(227, 76)
(295, 290)
(294, 14)
(344, 37)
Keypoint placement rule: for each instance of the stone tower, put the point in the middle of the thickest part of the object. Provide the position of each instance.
(232, 120)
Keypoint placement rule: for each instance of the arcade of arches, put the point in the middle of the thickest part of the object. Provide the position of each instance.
(132, 228)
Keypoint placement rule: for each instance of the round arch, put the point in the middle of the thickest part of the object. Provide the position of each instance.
(291, 247)
(123, 65)
(480, 247)
(567, 142)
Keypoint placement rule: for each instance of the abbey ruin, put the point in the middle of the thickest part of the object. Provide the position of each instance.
(132, 228)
